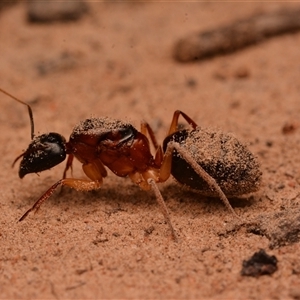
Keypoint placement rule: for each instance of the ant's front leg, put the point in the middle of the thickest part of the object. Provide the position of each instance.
(78, 184)
(68, 165)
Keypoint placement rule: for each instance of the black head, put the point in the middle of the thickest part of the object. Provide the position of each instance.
(44, 152)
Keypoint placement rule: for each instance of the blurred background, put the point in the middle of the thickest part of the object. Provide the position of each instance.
(72, 60)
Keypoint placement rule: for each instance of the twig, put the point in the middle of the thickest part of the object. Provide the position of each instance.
(237, 35)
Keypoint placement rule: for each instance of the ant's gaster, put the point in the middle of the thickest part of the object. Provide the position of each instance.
(214, 163)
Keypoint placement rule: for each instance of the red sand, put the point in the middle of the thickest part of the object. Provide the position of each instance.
(113, 243)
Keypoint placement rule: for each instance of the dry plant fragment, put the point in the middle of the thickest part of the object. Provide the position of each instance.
(237, 35)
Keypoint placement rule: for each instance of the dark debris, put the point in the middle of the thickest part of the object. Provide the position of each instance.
(259, 264)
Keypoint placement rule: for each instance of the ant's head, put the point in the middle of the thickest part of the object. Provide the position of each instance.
(44, 152)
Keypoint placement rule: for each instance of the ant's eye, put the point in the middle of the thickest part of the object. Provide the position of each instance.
(43, 153)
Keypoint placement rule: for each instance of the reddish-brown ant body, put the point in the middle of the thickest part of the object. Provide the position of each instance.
(214, 163)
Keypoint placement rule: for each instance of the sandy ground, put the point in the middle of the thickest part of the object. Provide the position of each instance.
(113, 243)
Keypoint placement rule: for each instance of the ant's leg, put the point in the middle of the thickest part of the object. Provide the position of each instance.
(174, 123)
(91, 170)
(166, 165)
(146, 128)
(77, 184)
(68, 165)
(146, 181)
(162, 205)
(199, 170)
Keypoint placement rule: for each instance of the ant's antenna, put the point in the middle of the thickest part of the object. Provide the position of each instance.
(29, 110)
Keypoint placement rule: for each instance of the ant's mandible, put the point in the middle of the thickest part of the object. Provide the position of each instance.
(214, 163)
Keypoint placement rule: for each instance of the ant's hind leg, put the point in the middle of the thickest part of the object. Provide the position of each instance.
(201, 172)
(174, 123)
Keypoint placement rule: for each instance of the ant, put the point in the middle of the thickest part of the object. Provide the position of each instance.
(212, 162)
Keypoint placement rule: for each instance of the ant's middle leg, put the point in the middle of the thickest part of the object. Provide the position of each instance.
(147, 130)
(161, 202)
(147, 181)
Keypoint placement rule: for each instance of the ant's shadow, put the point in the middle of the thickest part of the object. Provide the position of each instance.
(178, 198)
(108, 194)
(192, 202)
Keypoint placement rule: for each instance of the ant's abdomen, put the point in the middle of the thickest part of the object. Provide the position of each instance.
(222, 156)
